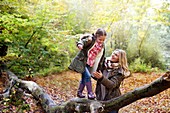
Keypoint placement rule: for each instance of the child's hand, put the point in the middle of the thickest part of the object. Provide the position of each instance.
(80, 46)
(97, 75)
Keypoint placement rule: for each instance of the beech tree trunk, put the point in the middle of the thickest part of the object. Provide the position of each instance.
(85, 105)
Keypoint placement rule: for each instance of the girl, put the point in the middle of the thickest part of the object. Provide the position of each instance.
(115, 69)
(88, 59)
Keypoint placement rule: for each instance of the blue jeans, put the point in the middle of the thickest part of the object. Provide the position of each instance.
(86, 76)
(115, 111)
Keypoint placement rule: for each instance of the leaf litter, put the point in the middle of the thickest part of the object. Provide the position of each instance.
(63, 86)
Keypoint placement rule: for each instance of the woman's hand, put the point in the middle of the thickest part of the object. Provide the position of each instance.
(97, 75)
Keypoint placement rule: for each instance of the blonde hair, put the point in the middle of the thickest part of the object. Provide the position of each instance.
(123, 62)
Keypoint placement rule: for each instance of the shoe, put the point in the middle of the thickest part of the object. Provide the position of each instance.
(91, 96)
(89, 89)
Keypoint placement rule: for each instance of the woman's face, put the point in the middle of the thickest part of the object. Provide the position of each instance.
(115, 56)
(101, 39)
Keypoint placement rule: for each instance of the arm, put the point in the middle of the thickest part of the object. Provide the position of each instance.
(84, 41)
(113, 82)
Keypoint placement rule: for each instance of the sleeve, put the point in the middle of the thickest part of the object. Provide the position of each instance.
(113, 82)
(85, 40)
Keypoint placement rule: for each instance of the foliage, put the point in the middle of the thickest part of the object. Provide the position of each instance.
(149, 51)
(41, 34)
(139, 66)
(139, 34)
(76, 20)
(32, 40)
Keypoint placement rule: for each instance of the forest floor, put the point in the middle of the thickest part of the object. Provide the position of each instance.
(63, 86)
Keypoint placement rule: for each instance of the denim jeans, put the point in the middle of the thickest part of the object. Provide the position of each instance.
(115, 111)
(86, 76)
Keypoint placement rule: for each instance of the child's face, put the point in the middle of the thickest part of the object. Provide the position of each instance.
(101, 39)
(115, 56)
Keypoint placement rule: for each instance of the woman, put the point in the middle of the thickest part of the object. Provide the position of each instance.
(115, 69)
(88, 59)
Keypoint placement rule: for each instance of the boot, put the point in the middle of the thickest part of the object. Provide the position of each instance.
(89, 90)
(80, 90)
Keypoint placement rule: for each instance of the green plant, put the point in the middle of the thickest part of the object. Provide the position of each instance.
(139, 66)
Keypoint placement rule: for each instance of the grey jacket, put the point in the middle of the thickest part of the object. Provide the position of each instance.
(79, 62)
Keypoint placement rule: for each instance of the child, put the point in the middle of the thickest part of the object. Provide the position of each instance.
(88, 59)
(115, 69)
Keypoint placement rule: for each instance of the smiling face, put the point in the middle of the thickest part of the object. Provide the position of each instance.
(115, 56)
(101, 39)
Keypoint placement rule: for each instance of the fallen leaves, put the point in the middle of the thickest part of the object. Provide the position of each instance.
(159, 103)
(63, 86)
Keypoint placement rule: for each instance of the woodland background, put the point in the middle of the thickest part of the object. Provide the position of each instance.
(41, 35)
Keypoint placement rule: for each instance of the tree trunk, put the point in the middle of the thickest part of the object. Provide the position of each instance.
(3, 49)
(85, 105)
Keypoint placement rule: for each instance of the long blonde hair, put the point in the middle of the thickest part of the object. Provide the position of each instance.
(123, 62)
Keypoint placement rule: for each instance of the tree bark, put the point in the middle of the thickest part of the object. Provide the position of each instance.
(3, 49)
(85, 105)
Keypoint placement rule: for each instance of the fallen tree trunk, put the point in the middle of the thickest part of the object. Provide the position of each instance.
(86, 105)
(155, 87)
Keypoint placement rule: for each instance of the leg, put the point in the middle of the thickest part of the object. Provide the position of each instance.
(89, 89)
(80, 91)
(89, 84)
(81, 87)
(114, 111)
